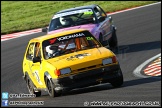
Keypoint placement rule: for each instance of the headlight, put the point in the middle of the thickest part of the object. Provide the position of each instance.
(65, 70)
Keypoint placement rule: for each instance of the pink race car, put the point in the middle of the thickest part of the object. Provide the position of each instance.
(91, 17)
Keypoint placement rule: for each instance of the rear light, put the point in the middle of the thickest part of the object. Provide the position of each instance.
(114, 60)
(57, 72)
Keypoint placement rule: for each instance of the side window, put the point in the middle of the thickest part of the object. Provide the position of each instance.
(54, 24)
(83, 43)
(30, 52)
(97, 12)
(102, 13)
(37, 51)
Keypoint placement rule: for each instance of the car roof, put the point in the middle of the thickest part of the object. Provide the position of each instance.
(77, 8)
(49, 36)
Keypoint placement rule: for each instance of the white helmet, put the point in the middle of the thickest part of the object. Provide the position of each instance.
(97, 14)
(48, 50)
(64, 21)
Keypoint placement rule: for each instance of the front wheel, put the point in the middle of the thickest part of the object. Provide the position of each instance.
(50, 88)
(30, 87)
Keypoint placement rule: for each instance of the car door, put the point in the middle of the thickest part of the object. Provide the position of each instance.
(34, 68)
(104, 25)
(37, 67)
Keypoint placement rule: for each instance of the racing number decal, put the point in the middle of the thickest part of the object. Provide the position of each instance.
(89, 38)
(79, 56)
(88, 12)
(37, 77)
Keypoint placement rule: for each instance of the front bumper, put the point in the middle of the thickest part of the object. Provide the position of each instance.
(87, 78)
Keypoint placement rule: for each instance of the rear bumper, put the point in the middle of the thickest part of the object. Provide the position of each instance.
(87, 78)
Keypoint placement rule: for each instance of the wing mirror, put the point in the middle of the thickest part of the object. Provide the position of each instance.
(36, 59)
(44, 29)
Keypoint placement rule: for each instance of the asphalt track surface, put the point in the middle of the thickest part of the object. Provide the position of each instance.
(139, 37)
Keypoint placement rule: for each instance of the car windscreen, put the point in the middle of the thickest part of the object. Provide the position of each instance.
(70, 43)
(72, 18)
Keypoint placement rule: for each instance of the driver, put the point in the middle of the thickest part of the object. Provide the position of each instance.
(52, 51)
(66, 21)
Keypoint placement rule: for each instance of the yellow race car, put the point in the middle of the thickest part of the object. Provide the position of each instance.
(68, 60)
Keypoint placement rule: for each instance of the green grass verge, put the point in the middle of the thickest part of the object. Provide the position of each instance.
(18, 16)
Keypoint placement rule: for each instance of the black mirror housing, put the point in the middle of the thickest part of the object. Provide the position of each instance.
(44, 29)
(36, 59)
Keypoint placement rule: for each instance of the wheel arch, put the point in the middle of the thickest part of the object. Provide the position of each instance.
(47, 75)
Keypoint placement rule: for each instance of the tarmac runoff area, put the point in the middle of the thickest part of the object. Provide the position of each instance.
(150, 68)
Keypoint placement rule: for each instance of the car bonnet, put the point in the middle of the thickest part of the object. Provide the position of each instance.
(81, 59)
(89, 27)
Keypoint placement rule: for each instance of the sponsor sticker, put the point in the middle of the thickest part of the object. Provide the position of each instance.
(85, 11)
(70, 36)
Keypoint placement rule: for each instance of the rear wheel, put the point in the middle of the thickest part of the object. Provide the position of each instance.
(117, 82)
(31, 86)
(113, 43)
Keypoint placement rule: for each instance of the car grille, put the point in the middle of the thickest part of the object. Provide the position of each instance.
(87, 68)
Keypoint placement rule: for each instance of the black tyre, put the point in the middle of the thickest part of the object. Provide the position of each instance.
(50, 88)
(113, 43)
(31, 86)
(117, 82)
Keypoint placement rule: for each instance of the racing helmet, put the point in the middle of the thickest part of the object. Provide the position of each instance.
(48, 50)
(51, 49)
(64, 21)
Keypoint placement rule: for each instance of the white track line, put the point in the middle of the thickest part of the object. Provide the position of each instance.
(137, 71)
(20, 34)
